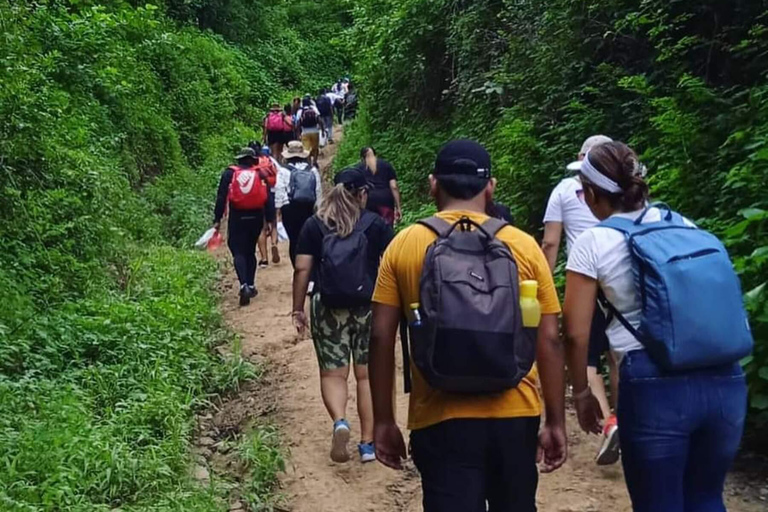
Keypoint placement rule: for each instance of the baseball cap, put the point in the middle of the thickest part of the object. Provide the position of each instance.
(351, 178)
(463, 158)
(246, 153)
(589, 143)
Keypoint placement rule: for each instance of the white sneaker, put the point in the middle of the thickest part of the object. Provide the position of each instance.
(339, 448)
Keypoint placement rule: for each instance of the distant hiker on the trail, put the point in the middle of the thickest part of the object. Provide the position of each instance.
(384, 196)
(474, 405)
(679, 331)
(277, 129)
(345, 243)
(269, 233)
(567, 211)
(500, 211)
(244, 188)
(338, 100)
(338, 88)
(310, 125)
(297, 192)
(350, 102)
(325, 107)
(291, 135)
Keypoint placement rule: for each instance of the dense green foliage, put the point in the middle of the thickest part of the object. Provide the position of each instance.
(683, 82)
(117, 119)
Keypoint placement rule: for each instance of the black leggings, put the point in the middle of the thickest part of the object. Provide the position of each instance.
(243, 233)
(294, 217)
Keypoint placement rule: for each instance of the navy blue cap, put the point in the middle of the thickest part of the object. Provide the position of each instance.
(351, 178)
(464, 158)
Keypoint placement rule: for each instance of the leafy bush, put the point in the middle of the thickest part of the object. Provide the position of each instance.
(684, 83)
(118, 117)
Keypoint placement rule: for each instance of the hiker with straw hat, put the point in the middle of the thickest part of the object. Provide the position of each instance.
(298, 191)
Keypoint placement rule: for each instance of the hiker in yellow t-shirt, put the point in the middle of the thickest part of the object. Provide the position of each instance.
(469, 448)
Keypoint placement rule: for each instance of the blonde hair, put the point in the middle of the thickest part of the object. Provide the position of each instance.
(340, 209)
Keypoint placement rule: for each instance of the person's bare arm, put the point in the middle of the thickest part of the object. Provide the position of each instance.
(580, 298)
(301, 275)
(390, 446)
(396, 195)
(550, 244)
(550, 360)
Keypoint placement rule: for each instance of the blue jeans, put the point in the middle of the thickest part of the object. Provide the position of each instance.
(679, 433)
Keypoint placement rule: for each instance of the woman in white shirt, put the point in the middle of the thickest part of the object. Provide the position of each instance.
(679, 430)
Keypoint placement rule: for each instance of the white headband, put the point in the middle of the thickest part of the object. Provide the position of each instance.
(597, 178)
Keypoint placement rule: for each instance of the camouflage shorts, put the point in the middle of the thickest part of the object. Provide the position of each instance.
(339, 334)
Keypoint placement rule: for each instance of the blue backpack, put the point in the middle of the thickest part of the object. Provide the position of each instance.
(692, 308)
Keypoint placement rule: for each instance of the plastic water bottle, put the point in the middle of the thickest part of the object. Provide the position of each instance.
(529, 304)
(416, 321)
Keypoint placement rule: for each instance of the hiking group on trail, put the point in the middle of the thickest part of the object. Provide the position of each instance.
(647, 294)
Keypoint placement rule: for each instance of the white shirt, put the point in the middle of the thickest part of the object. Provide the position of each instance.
(315, 129)
(284, 180)
(603, 254)
(565, 206)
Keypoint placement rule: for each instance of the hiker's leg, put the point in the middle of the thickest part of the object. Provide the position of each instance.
(655, 423)
(364, 403)
(512, 474)
(360, 328)
(255, 225)
(333, 388)
(715, 443)
(596, 384)
(236, 241)
(332, 347)
(452, 458)
(292, 221)
(263, 244)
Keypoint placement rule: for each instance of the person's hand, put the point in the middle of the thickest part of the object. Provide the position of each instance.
(398, 215)
(553, 448)
(389, 443)
(300, 322)
(588, 411)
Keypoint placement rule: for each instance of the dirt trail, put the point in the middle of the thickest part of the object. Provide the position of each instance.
(292, 400)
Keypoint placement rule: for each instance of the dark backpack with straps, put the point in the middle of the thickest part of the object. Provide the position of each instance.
(345, 278)
(472, 338)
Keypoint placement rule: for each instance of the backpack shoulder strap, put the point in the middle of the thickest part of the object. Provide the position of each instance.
(494, 225)
(365, 222)
(438, 225)
(613, 312)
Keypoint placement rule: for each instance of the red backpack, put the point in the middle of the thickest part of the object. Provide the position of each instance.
(275, 122)
(247, 190)
(267, 170)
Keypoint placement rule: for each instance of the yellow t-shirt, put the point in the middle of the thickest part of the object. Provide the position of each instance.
(398, 285)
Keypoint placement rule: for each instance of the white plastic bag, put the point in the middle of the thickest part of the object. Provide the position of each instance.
(282, 234)
(323, 139)
(202, 243)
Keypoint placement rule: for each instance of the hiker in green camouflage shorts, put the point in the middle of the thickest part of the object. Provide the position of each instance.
(346, 243)
(339, 334)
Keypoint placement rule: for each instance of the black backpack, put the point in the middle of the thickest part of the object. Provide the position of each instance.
(308, 118)
(472, 338)
(324, 105)
(345, 281)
